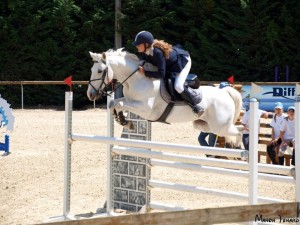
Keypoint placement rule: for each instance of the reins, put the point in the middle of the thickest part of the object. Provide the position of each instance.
(120, 85)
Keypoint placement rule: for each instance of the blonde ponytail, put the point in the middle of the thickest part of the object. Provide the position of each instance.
(164, 46)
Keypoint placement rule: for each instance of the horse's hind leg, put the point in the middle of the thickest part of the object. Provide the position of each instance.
(234, 130)
(235, 138)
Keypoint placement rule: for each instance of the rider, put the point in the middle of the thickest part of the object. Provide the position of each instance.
(168, 59)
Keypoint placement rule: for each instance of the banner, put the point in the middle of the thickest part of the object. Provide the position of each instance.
(271, 94)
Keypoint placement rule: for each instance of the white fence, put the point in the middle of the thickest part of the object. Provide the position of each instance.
(253, 170)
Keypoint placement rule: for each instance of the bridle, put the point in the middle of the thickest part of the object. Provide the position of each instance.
(103, 92)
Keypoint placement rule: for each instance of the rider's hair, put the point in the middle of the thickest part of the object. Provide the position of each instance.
(164, 46)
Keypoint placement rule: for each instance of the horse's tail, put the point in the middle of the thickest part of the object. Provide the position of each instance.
(237, 99)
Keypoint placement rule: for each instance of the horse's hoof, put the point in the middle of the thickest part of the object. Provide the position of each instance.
(124, 123)
(129, 125)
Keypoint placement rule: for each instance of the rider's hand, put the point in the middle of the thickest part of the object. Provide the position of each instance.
(274, 141)
(141, 69)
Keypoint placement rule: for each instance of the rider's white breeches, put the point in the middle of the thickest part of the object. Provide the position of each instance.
(181, 77)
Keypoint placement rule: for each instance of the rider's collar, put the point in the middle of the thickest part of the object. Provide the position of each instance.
(149, 51)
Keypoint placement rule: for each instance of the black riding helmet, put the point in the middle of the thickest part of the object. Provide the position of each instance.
(143, 37)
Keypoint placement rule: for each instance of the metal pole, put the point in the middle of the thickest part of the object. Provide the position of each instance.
(253, 151)
(276, 73)
(67, 154)
(110, 133)
(118, 41)
(297, 152)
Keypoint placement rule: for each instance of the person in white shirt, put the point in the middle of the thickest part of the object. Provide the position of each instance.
(275, 124)
(287, 133)
(246, 121)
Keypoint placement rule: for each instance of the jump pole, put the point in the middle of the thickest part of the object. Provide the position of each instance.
(160, 145)
(218, 163)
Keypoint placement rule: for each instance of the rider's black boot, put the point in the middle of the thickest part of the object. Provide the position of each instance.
(192, 99)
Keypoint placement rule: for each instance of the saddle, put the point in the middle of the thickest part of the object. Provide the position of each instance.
(171, 96)
(191, 81)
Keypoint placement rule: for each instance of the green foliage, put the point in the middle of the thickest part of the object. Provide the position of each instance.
(50, 40)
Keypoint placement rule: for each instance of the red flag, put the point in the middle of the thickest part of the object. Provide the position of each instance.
(231, 79)
(68, 81)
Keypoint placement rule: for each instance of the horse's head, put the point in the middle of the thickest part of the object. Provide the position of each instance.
(101, 77)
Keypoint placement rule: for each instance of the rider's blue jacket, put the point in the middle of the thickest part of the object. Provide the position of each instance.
(175, 63)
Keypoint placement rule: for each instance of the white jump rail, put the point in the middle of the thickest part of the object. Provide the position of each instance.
(229, 167)
(219, 163)
(160, 146)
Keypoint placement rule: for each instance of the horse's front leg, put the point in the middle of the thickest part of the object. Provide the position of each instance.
(116, 112)
(116, 107)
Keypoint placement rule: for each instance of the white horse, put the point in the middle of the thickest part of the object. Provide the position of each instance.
(142, 95)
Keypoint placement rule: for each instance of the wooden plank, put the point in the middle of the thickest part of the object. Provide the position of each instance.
(265, 125)
(265, 135)
(197, 216)
(265, 142)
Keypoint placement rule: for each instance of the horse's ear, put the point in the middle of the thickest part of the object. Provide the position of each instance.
(93, 55)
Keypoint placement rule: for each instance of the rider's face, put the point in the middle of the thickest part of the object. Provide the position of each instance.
(141, 47)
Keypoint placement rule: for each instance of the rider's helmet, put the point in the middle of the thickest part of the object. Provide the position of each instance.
(246, 102)
(143, 37)
(223, 84)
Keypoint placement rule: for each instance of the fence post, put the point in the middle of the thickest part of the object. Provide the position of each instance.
(67, 154)
(253, 151)
(110, 133)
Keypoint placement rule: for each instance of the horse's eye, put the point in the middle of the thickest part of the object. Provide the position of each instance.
(99, 71)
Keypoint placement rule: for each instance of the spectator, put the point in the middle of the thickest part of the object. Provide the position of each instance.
(275, 124)
(287, 134)
(246, 121)
(212, 138)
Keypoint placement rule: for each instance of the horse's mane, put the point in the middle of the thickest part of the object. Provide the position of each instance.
(120, 52)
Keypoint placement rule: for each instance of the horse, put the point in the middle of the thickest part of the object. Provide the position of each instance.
(143, 96)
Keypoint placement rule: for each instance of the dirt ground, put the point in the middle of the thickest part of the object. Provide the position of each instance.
(31, 180)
